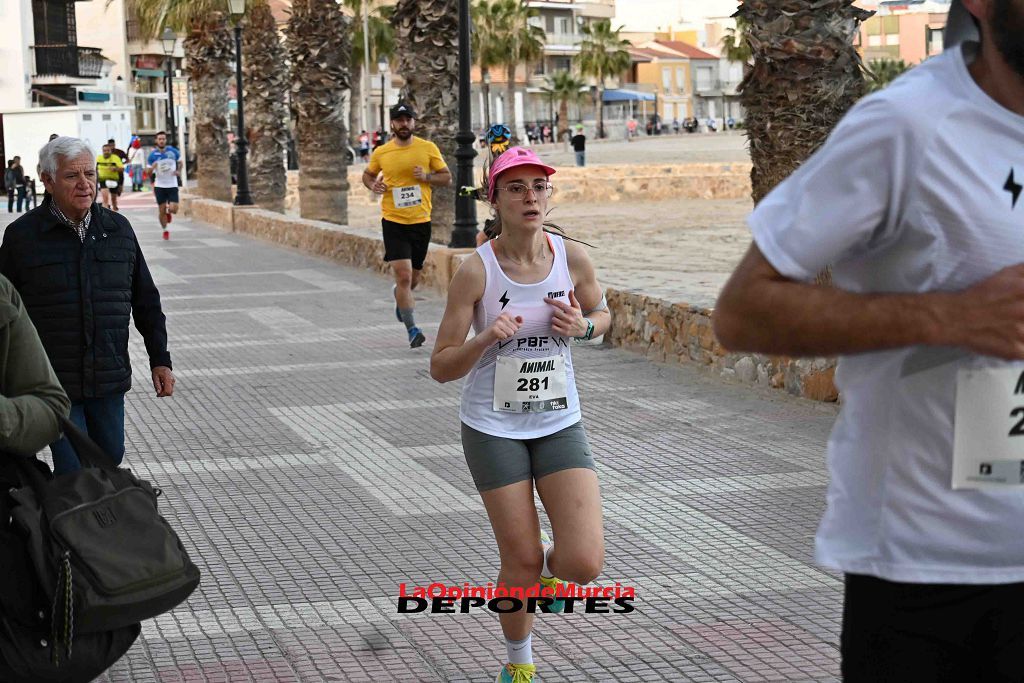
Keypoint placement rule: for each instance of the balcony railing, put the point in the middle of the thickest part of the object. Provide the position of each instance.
(67, 60)
(715, 86)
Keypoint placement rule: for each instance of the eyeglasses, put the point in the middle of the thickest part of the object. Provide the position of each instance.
(519, 190)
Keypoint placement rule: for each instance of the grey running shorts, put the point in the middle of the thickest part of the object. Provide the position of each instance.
(495, 461)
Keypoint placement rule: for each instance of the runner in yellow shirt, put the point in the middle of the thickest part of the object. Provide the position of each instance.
(405, 170)
(109, 168)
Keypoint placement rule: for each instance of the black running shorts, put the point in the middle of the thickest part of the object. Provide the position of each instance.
(166, 195)
(406, 241)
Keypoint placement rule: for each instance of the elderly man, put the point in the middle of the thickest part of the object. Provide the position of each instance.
(915, 203)
(82, 275)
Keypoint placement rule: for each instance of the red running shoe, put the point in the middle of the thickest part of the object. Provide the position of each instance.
(167, 234)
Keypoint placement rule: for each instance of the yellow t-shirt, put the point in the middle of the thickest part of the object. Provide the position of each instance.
(397, 164)
(110, 166)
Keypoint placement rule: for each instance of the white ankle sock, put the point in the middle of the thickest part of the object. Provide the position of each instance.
(545, 572)
(520, 651)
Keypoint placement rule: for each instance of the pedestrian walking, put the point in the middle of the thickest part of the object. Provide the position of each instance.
(914, 202)
(364, 146)
(83, 278)
(30, 193)
(546, 134)
(405, 171)
(10, 185)
(18, 176)
(524, 294)
(124, 161)
(579, 146)
(110, 170)
(675, 126)
(165, 168)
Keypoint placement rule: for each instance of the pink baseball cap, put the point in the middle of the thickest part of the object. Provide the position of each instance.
(509, 159)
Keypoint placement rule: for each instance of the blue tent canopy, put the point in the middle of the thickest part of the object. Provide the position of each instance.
(626, 95)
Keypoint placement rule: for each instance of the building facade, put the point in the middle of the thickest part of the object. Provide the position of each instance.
(910, 33)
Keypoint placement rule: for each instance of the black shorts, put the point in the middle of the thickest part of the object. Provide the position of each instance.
(932, 632)
(165, 195)
(406, 241)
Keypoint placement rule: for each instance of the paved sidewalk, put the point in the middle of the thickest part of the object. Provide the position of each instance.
(312, 465)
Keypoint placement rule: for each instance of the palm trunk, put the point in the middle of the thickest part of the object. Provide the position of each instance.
(355, 109)
(265, 82)
(208, 47)
(428, 48)
(486, 87)
(600, 108)
(806, 75)
(563, 119)
(510, 97)
(318, 44)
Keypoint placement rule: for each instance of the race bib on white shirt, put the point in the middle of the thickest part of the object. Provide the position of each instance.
(405, 197)
(988, 436)
(166, 166)
(530, 385)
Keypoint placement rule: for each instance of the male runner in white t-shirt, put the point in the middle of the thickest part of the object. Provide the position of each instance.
(917, 203)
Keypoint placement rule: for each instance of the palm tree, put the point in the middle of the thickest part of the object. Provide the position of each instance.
(524, 43)
(209, 49)
(882, 72)
(319, 50)
(565, 88)
(427, 34)
(382, 44)
(603, 54)
(265, 79)
(488, 45)
(735, 46)
(806, 74)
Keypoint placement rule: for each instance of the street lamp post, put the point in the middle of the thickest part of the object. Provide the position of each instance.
(169, 39)
(382, 69)
(242, 196)
(465, 228)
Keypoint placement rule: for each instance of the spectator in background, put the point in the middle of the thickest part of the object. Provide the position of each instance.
(19, 182)
(579, 145)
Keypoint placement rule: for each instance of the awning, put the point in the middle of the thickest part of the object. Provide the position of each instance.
(626, 95)
(151, 73)
(93, 96)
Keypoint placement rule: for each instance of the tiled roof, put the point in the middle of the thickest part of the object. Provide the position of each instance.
(686, 49)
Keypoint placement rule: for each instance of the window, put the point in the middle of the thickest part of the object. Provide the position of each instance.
(704, 78)
(106, 117)
(892, 39)
(563, 25)
(87, 117)
(874, 41)
(666, 79)
(680, 80)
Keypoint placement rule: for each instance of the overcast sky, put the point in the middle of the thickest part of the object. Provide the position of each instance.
(644, 15)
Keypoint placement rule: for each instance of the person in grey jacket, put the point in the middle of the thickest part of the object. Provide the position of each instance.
(31, 398)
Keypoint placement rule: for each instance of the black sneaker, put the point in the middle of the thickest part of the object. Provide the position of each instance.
(416, 338)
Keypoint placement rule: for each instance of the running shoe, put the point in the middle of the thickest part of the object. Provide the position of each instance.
(416, 338)
(518, 673)
(167, 234)
(559, 604)
(394, 295)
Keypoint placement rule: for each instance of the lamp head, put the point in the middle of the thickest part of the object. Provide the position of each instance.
(168, 38)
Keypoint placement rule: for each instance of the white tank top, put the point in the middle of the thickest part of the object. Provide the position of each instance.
(535, 341)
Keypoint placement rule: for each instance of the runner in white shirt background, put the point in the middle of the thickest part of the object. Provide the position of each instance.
(165, 167)
(917, 203)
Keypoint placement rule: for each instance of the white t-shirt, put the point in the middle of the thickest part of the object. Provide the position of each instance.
(911, 193)
(166, 163)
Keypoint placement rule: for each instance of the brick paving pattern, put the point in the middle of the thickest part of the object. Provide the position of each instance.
(311, 465)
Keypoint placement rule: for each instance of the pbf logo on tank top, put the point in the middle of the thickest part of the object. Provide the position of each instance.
(541, 342)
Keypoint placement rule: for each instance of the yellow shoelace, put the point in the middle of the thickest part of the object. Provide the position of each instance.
(522, 673)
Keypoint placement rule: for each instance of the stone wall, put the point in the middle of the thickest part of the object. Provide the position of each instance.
(680, 333)
(320, 238)
(605, 183)
(660, 330)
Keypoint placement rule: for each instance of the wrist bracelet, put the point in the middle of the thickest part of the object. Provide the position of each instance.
(590, 330)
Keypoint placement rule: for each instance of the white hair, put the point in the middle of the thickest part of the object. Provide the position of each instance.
(63, 147)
